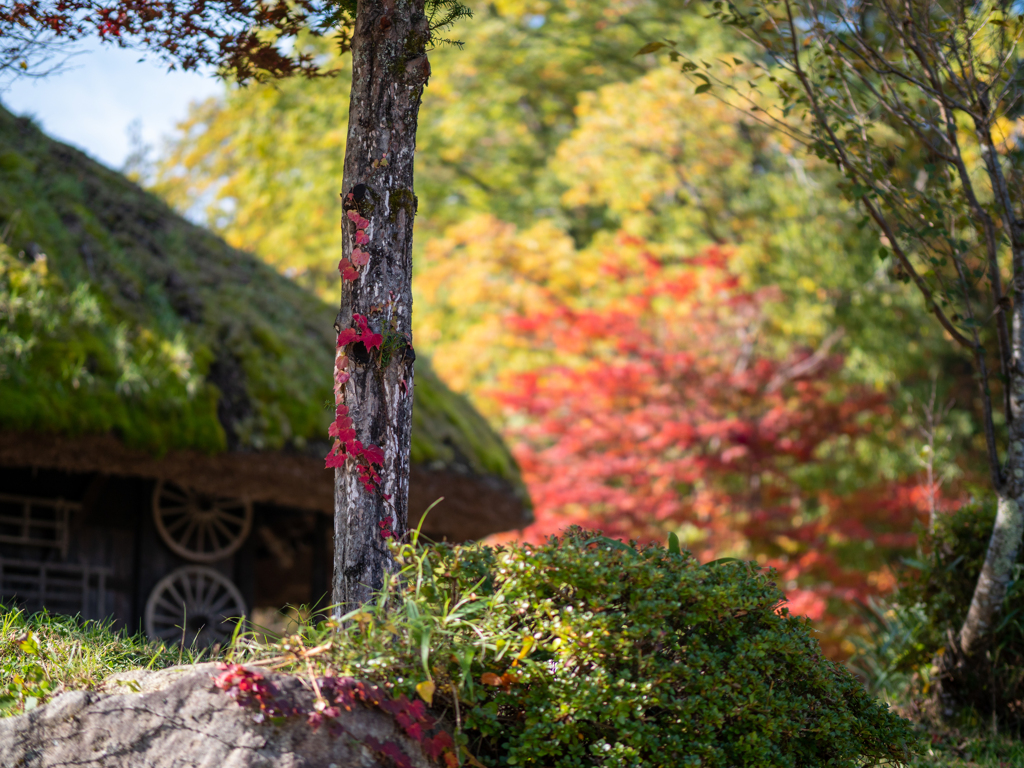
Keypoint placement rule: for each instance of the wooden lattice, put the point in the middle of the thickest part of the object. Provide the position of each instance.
(34, 522)
(59, 587)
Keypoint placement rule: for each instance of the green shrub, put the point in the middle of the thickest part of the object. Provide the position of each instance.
(587, 652)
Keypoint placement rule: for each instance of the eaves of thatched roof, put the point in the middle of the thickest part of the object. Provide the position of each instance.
(133, 342)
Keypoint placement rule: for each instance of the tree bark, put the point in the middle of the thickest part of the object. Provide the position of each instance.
(374, 368)
(1005, 542)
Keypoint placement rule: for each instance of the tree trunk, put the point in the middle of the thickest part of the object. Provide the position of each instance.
(1005, 542)
(995, 575)
(374, 366)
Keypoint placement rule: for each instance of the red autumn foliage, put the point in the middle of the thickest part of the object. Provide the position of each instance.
(672, 419)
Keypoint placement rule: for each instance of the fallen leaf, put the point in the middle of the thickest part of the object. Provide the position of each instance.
(426, 691)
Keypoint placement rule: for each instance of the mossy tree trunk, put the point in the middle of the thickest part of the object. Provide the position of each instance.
(374, 374)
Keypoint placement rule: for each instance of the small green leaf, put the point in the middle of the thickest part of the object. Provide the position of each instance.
(650, 48)
(673, 543)
(702, 88)
(722, 561)
(611, 542)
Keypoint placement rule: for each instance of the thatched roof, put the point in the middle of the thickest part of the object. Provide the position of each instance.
(134, 342)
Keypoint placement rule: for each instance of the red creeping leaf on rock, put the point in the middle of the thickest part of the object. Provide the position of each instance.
(251, 690)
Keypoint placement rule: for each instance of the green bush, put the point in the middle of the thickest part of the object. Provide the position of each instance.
(586, 652)
(939, 586)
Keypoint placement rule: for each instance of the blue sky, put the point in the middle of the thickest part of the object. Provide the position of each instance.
(92, 103)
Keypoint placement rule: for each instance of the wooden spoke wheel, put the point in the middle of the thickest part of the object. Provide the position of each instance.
(195, 606)
(197, 526)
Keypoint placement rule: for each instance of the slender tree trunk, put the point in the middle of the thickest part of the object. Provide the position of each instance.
(1005, 542)
(374, 368)
(995, 575)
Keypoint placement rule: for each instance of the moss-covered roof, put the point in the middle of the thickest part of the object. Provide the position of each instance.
(119, 317)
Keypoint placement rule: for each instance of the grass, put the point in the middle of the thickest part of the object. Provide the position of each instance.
(979, 751)
(43, 655)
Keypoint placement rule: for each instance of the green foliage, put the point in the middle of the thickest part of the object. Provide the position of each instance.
(42, 655)
(891, 651)
(914, 626)
(587, 651)
(931, 154)
(442, 15)
(939, 586)
(266, 160)
(942, 580)
(548, 126)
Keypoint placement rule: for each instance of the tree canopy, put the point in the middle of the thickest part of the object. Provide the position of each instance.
(558, 177)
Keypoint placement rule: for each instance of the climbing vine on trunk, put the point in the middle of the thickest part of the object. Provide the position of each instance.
(374, 361)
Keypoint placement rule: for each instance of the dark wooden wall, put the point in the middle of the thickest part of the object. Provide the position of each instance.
(285, 560)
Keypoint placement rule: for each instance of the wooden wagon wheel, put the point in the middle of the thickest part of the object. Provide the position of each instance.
(197, 526)
(193, 605)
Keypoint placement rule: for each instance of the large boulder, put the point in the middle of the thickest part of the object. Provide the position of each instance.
(178, 718)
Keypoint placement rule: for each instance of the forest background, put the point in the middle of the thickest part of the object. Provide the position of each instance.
(668, 310)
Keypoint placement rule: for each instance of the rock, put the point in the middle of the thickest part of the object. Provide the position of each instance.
(177, 718)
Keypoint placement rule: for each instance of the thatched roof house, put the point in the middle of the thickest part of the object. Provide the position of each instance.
(136, 344)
